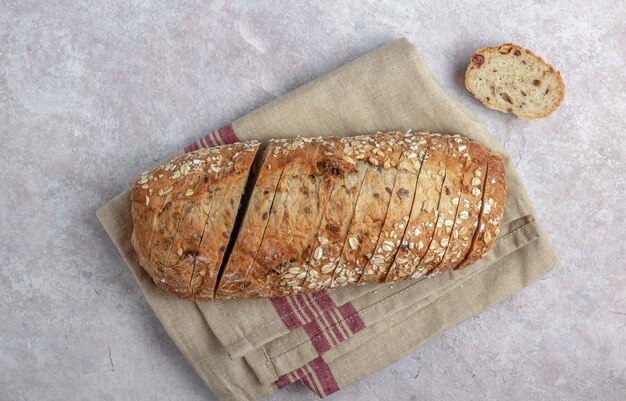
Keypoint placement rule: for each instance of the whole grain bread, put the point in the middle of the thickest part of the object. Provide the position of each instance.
(321, 213)
(294, 274)
(468, 203)
(320, 265)
(448, 206)
(515, 80)
(491, 212)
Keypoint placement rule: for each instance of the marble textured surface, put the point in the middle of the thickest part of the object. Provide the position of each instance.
(92, 92)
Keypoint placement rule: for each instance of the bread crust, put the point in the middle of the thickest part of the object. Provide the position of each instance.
(477, 61)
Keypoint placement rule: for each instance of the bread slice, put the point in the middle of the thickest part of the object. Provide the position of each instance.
(492, 210)
(167, 209)
(255, 221)
(515, 80)
(469, 203)
(421, 225)
(402, 195)
(371, 208)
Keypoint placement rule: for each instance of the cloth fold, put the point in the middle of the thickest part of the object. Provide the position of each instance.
(247, 349)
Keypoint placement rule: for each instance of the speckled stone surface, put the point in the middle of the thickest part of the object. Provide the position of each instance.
(90, 94)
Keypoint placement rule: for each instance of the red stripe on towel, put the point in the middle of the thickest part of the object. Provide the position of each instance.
(224, 135)
(227, 133)
(285, 311)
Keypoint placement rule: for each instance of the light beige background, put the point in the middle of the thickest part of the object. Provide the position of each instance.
(91, 94)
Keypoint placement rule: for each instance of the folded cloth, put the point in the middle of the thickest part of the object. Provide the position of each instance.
(246, 349)
(325, 337)
(414, 326)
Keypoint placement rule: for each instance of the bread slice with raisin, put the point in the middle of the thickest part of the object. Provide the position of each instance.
(515, 80)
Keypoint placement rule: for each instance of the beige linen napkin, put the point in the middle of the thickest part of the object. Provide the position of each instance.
(235, 346)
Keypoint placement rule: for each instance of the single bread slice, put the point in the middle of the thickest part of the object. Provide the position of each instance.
(515, 80)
